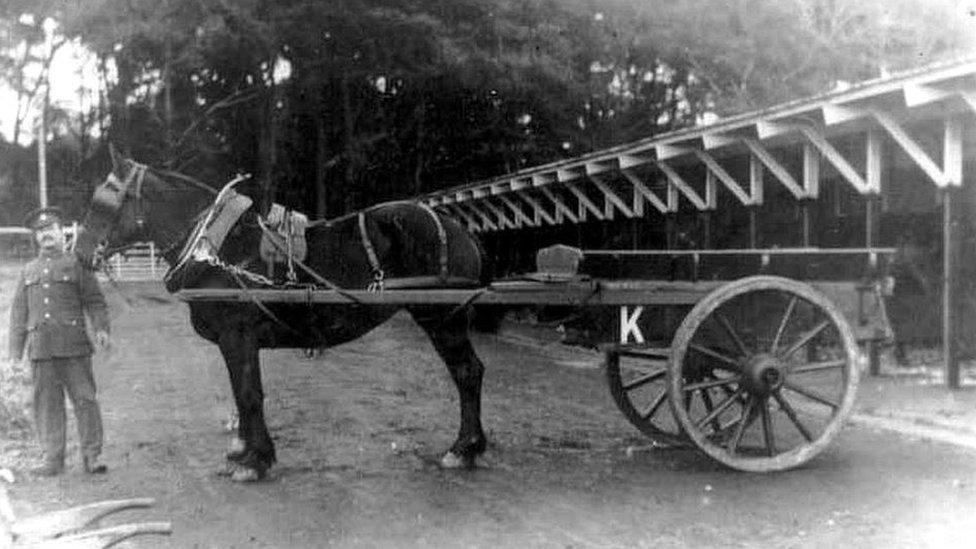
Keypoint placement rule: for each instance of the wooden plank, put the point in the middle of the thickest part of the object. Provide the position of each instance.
(811, 171)
(610, 196)
(838, 114)
(540, 212)
(680, 184)
(503, 220)
(515, 293)
(874, 155)
(559, 204)
(516, 211)
(952, 153)
(775, 167)
(756, 187)
(717, 140)
(486, 221)
(584, 201)
(719, 172)
(644, 191)
(836, 159)
(455, 209)
(919, 94)
(950, 286)
(911, 148)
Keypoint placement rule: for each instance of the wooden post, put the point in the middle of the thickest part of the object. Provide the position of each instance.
(42, 150)
(805, 222)
(753, 227)
(669, 223)
(705, 218)
(950, 280)
(871, 208)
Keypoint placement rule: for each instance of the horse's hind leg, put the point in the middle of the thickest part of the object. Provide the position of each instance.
(450, 338)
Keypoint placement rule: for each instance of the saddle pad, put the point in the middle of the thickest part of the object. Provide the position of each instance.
(228, 211)
(287, 232)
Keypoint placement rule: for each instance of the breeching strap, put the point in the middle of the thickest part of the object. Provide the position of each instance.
(441, 236)
(378, 283)
(374, 261)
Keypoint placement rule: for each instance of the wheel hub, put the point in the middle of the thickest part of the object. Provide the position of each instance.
(763, 374)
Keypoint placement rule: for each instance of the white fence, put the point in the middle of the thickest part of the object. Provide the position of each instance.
(141, 262)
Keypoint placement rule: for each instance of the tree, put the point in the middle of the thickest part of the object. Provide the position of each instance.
(337, 105)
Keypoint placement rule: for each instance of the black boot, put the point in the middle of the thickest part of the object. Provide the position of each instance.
(94, 467)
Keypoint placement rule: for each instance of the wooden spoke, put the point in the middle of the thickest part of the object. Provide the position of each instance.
(782, 324)
(805, 338)
(719, 409)
(718, 382)
(709, 406)
(812, 395)
(740, 429)
(654, 406)
(792, 415)
(727, 326)
(742, 407)
(767, 427)
(715, 354)
(818, 366)
(644, 379)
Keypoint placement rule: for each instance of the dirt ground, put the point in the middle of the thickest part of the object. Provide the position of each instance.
(359, 430)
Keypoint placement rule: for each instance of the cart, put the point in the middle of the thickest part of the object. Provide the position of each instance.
(705, 348)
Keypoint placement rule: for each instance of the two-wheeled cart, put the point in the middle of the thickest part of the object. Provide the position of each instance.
(759, 372)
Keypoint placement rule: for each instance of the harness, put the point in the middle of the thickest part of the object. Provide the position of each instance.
(208, 234)
(380, 282)
(112, 194)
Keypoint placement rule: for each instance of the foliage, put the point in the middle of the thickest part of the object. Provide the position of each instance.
(15, 384)
(389, 98)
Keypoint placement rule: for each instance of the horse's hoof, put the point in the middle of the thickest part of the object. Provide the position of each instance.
(455, 461)
(245, 474)
(236, 448)
(228, 469)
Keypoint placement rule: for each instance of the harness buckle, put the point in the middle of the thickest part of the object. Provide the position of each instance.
(377, 284)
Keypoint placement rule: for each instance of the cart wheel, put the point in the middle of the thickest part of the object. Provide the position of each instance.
(638, 383)
(763, 373)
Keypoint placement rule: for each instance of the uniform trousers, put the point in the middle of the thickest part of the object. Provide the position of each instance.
(52, 379)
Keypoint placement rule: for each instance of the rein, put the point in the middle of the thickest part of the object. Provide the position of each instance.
(113, 193)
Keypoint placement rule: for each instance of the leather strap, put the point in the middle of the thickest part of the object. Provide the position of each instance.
(441, 235)
(374, 261)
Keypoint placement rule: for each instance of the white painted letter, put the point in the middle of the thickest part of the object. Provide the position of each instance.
(628, 325)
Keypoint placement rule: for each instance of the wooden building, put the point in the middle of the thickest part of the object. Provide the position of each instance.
(883, 167)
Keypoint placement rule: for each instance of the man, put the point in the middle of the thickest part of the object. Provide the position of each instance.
(47, 319)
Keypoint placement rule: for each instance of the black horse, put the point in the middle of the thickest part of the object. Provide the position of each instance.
(403, 240)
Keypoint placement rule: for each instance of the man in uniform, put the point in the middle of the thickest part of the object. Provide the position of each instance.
(47, 319)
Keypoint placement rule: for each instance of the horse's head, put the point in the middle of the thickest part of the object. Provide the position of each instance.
(115, 217)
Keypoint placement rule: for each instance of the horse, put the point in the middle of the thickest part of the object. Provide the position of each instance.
(394, 241)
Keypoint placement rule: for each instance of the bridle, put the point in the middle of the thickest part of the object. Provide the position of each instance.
(110, 196)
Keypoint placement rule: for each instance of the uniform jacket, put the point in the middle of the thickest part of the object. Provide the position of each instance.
(48, 312)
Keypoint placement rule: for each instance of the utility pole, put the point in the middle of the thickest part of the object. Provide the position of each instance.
(42, 148)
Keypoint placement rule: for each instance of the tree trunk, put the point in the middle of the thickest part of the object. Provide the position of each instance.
(348, 124)
(321, 170)
(418, 170)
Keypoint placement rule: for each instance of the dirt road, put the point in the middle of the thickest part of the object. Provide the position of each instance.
(359, 430)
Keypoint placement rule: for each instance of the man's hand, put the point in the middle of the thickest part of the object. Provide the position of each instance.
(102, 341)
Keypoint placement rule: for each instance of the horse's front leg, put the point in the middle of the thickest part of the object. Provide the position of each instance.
(240, 351)
(450, 338)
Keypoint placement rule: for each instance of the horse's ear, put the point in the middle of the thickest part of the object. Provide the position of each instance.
(118, 162)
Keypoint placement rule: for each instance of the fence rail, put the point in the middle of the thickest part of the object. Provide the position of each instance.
(141, 262)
